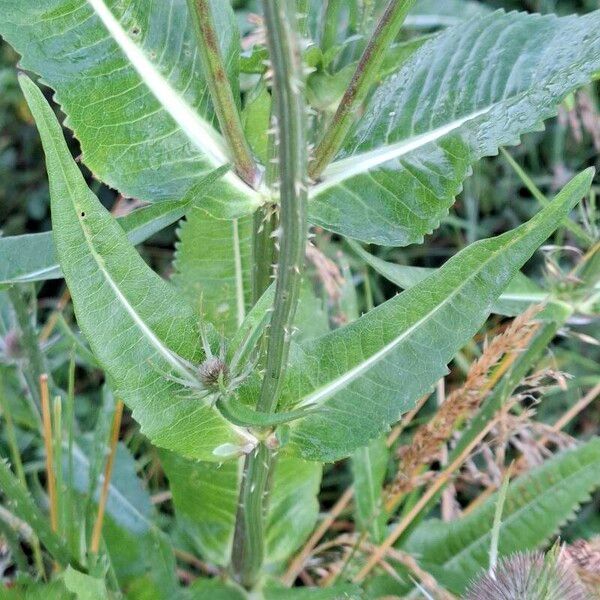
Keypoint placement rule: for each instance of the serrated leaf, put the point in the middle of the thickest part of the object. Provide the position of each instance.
(128, 77)
(520, 293)
(206, 498)
(360, 379)
(472, 88)
(136, 323)
(32, 257)
(536, 506)
(213, 267)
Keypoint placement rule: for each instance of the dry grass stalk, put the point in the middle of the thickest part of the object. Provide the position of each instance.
(48, 444)
(438, 483)
(295, 567)
(327, 271)
(461, 403)
(351, 542)
(114, 438)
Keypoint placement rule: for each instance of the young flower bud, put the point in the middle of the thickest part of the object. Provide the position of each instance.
(212, 371)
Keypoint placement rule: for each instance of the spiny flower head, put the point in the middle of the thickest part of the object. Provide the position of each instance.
(530, 576)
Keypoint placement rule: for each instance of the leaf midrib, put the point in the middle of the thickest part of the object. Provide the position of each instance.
(196, 129)
(135, 317)
(325, 392)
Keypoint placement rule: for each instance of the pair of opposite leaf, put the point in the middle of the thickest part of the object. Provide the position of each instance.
(423, 128)
(132, 317)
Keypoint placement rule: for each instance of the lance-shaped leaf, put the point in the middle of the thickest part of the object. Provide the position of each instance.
(360, 379)
(212, 266)
(520, 293)
(128, 77)
(32, 257)
(469, 90)
(136, 323)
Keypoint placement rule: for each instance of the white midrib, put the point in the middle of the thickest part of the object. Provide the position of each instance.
(346, 168)
(135, 317)
(327, 391)
(199, 131)
(40, 274)
(239, 277)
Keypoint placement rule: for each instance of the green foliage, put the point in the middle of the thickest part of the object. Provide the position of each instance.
(408, 339)
(213, 267)
(520, 293)
(31, 257)
(140, 309)
(137, 72)
(446, 108)
(537, 505)
(205, 497)
(239, 391)
(369, 467)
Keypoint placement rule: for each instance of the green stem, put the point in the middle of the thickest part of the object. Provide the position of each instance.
(248, 541)
(366, 72)
(221, 92)
(248, 544)
(331, 23)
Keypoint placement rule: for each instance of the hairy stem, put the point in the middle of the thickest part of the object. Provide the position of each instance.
(290, 122)
(221, 92)
(386, 30)
(248, 553)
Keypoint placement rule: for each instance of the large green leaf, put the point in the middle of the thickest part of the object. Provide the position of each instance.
(536, 506)
(520, 293)
(213, 267)
(475, 87)
(360, 379)
(32, 257)
(206, 497)
(128, 77)
(137, 324)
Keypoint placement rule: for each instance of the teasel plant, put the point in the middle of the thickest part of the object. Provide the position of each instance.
(307, 401)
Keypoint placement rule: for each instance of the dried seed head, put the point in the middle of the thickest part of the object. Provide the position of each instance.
(212, 371)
